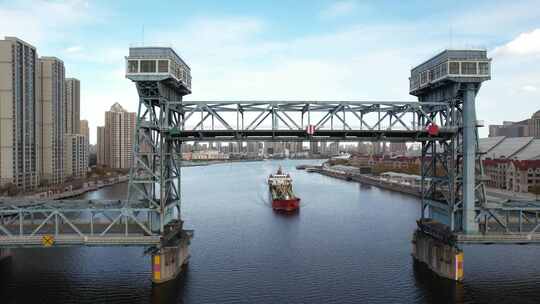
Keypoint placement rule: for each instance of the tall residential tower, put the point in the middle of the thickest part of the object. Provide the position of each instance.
(19, 153)
(51, 77)
(115, 140)
(72, 106)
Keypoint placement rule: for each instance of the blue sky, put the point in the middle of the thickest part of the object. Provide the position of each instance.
(349, 49)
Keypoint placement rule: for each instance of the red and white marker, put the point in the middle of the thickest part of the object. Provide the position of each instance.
(432, 129)
(310, 129)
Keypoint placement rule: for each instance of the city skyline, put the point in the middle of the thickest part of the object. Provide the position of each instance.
(236, 53)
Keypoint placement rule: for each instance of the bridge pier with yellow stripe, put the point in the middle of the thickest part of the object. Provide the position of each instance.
(167, 263)
(442, 258)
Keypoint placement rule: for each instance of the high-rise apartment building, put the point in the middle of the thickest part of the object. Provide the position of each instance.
(379, 148)
(333, 148)
(76, 147)
(314, 147)
(19, 136)
(51, 102)
(115, 140)
(252, 147)
(72, 106)
(101, 146)
(299, 147)
(398, 148)
(363, 148)
(84, 130)
(76, 142)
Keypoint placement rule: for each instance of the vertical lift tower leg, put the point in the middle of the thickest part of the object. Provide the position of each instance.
(162, 78)
(451, 193)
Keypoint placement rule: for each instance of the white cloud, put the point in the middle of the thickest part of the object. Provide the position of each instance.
(515, 81)
(339, 8)
(529, 88)
(35, 21)
(492, 18)
(356, 63)
(525, 44)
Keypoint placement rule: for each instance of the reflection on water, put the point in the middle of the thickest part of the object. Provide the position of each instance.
(171, 292)
(348, 244)
(436, 289)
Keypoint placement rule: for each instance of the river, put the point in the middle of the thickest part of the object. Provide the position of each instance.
(348, 244)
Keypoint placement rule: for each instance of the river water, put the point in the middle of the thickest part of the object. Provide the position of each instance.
(348, 244)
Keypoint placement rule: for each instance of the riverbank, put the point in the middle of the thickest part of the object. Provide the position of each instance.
(366, 179)
(197, 163)
(493, 195)
(87, 187)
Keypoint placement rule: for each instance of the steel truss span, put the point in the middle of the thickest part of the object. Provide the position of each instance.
(289, 120)
(75, 223)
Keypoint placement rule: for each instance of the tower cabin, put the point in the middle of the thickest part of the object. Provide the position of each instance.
(459, 66)
(161, 64)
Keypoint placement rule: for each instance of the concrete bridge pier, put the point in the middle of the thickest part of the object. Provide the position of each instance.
(168, 261)
(442, 258)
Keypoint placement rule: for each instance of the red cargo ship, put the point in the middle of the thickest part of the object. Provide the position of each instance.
(281, 193)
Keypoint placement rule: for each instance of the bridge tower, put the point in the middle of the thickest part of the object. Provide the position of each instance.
(162, 78)
(454, 77)
(453, 192)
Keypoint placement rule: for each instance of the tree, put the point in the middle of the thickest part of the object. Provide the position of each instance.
(43, 182)
(535, 190)
(12, 189)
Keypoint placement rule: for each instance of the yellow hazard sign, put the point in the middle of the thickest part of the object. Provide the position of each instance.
(47, 240)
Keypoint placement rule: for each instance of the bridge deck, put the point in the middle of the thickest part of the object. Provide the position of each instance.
(78, 240)
(499, 238)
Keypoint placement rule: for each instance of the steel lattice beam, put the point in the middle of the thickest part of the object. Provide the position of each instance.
(288, 120)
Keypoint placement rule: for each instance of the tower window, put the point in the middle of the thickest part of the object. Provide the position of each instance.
(468, 68)
(454, 67)
(148, 66)
(163, 66)
(483, 68)
(133, 66)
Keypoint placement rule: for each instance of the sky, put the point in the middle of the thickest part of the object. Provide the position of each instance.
(290, 50)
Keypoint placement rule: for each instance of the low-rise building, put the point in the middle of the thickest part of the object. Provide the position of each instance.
(523, 175)
(496, 171)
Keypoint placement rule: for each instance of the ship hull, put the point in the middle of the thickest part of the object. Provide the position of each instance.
(286, 204)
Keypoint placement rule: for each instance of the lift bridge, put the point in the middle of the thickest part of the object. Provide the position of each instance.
(443, 120)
